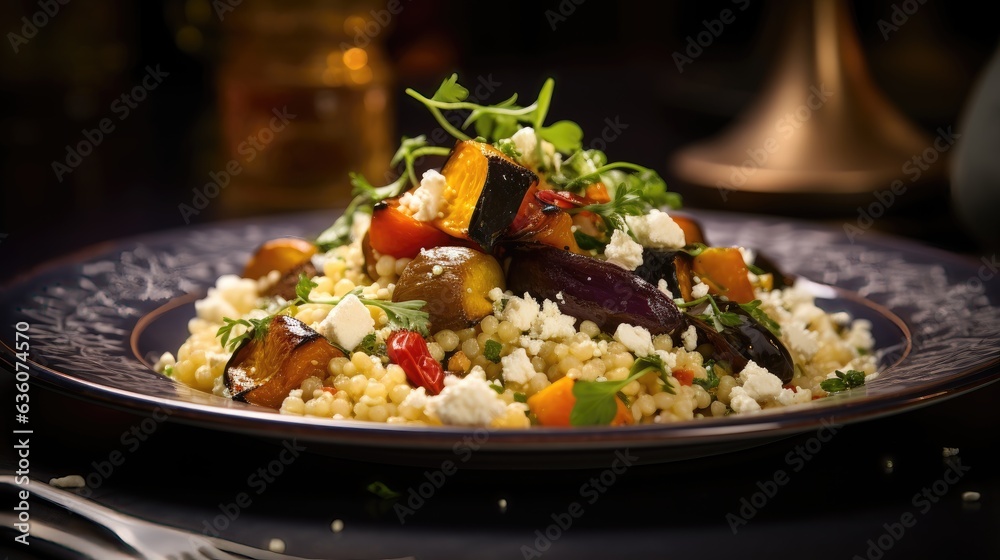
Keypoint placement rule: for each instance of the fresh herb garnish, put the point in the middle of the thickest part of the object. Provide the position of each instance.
(407, 315)
(492, 351)
(497, 387)
(382, 491)
(371, 346)
(756, 269)
(589, 242)
(720, 319)
(520, 397)
(711, 381)
(753, 309)
(596, 400)
(255, 328)
(844, 381)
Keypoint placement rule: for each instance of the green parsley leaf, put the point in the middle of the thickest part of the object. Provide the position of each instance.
(496, 387)
(710, 382)
(754, 310)
(595, 400)
(382, 491)
(255, 329)
(589, 242)
(492, 351)
(370, 345)
(520, 397)
(844, 381)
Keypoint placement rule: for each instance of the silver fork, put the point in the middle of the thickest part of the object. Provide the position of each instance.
(149, 540)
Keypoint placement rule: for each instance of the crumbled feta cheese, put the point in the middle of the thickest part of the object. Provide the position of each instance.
(526, 142)
(231, 297)
(623, 252)
(348, 323)
(748, 255)
(517, 367)
(656, 230)
(788, 397)
(531, 345)
(741, 402)
(636, 339)
(416, 398)
(860, 335)
(167, 359)
(552, 324)
(800, 339)
(690, 338)
(669, 359)
(495, 294)
(71, 481)
(661, 285)
(699, 290)
(760, 384)
(521, 312)
(467, 401)
(949, 451)
(425, 202)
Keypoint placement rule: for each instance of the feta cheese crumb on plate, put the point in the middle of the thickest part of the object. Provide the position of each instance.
(71, 481)
(623, 251)
(467, 401)
(348, 323)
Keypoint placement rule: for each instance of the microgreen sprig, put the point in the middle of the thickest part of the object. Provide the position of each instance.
(844, 381)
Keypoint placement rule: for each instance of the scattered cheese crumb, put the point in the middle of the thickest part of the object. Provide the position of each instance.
(71, 481)
(656, 230)
(348, 323)
(741, 402)
(552, 324)
(532, 346)
(690, 338)
(517, 367)
(760, 384)
(467, 401)
(276, 545)
(426, 201)
(699, 290)
(337, 526)
(167, 359)
(526, 142)
(623, 251)
(636, 339)
(503, 505)
(521, 312)
(661, 285)
(949, 451)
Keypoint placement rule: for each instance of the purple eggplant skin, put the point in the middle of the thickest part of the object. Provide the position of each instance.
(660, 264)
(590, 289)
(748, 341)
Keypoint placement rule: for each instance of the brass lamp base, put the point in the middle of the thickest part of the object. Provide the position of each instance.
(820, 134)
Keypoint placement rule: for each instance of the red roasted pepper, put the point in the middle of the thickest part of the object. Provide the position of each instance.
(409, 350)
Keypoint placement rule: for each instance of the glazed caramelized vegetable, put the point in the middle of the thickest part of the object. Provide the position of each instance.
(744, 342)
(722, 269)
(454, 281)
(264, 369)
(591, 289)
(485, 189)
(282, 254)
(395, 233)
(553, 405)
(691, 228)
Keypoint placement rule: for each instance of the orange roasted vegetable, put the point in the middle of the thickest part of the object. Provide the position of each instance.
(722, 269)
(263, 371)
(282, 254)
(454, 281)
(692, 229)
(541, 223)
(394, 233)
(484, 191)
(553, 405)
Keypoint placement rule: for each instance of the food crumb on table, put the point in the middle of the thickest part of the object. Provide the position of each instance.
(971, 496)
(503, 505)
(276, 545)
(71, 481)
(949, 451)
(337, 526)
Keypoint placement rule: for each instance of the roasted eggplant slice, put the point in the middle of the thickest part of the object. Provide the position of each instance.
(454, 281)
(485, 189)
(748, 341)
(590, 289)
(263, 370)
(285, 287)
(674, 267)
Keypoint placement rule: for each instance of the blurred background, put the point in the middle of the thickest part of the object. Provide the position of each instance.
(122, 117)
